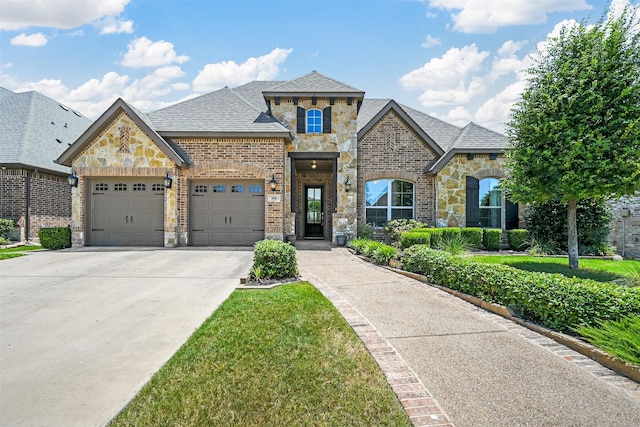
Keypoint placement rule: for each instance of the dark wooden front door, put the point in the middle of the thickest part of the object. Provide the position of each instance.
(314, 211)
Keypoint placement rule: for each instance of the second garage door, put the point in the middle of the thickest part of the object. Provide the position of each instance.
(227, 213)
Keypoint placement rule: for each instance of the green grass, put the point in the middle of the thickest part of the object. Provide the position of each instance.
(269, 358)
(620, 339)
(596, 269)
(17, 251)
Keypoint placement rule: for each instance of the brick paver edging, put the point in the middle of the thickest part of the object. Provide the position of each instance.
(422, 408)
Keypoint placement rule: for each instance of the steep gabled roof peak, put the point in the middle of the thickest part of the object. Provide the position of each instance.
(314, 83)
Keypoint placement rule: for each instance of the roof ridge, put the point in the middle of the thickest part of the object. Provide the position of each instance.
(245, 100)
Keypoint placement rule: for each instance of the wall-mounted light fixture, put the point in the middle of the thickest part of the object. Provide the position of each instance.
(72, 179)
(314, 164)
(168, 181)
(347, 185)
(273, 183)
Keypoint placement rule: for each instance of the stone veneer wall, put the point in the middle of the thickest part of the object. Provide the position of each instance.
(342, 139)
(391, 150)
(235, 158)
(625, 230)
(108, 155)
(451, 181)
(50, 201)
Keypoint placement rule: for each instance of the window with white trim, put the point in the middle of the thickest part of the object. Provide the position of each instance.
(388, 199)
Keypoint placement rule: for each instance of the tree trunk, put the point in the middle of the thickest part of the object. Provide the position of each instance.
(572, 225)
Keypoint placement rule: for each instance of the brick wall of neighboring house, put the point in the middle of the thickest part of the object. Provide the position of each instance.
(451, 181)
(50, 201)
(625, 226)
(235, 158)
(391, 150)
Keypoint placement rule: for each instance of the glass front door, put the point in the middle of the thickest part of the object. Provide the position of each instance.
(314, 216)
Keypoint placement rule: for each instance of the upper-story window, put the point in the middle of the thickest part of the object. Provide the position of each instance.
(314, 121)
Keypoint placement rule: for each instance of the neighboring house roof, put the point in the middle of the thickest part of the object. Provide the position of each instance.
(35, 130)
(314, 84)
(221, 113)
(471, 139)
(141, 119)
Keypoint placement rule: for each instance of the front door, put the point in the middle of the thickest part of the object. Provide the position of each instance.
(314, 223)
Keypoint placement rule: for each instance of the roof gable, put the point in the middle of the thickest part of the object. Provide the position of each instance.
(106, 118)
(35, 130)
(313, 84)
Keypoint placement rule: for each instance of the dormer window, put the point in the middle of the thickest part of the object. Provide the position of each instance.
(314, 121)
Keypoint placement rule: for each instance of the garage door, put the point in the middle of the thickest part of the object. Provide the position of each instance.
(227, 213)
(127, 212)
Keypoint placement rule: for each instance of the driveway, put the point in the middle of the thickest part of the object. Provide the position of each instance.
(81, 330)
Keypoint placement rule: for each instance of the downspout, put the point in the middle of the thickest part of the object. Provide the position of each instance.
(27, 215)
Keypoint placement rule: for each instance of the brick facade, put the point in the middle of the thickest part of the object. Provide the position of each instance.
(40, 198)
(392, 150)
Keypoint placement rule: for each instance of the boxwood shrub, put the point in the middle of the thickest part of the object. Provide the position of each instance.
(55, 237)
(491, 238)
(415, 237)
(553, 300)
(517, 239)
(473, 235)
(276, 259)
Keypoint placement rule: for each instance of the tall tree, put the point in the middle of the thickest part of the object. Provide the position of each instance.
(575, 133)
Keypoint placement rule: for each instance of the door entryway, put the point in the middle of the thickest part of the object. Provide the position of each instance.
(314, 211)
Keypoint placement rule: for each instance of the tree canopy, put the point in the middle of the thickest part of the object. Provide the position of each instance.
(575, 133)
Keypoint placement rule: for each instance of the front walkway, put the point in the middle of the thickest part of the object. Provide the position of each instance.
(451, 363)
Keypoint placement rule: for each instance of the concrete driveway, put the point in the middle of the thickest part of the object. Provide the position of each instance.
(81, 330)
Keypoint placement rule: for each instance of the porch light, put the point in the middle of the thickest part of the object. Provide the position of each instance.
(72, 179)
(168, 181)
(347, 185)
(314, 164)
(273, 183)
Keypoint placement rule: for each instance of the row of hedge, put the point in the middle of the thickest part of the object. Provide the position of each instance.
(487, 238)
(553, 300)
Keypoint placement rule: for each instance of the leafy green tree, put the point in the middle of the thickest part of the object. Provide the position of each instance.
(575, 133)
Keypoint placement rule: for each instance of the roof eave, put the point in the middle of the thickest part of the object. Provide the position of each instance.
(271, 94)
(225, 134)
(437, 166)
(36, 168)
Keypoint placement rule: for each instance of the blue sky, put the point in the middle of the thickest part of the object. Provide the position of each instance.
(460, 60)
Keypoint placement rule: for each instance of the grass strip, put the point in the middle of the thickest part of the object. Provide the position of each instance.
(597, 269)
(269, 358)
(17, 251)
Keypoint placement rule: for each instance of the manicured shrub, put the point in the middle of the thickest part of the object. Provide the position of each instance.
(547, 224)
(415, 237)
(555, 301)
(55, 237)
(450, 232)
(473, 235)
(491, 238)
(394, 228)
(517, 239)
(436, 237)
(275, 259)
(6, 226)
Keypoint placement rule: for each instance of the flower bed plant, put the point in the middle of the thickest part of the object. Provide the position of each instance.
(274, 259)
(379, 252)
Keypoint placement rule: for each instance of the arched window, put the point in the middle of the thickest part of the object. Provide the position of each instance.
(388, 199)
(314, 121)
(490, 203)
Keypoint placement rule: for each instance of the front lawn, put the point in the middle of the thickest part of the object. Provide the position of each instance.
(597, 269)
(17, 251)
(264, 358)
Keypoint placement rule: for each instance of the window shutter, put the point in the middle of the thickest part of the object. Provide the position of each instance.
(473, 202)
(302, 125)
(511, 215)
(326, 120)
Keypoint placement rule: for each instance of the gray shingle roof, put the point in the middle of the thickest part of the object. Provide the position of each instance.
(315, 83)
(219, 112)
(252, 92)
(35, 129)
(474, 136)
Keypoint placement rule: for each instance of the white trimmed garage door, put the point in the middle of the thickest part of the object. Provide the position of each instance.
(126, 212)
(227, 213)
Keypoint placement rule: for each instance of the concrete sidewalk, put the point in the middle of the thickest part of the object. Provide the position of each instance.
(451, 363)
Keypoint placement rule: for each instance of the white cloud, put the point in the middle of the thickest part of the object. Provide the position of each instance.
(487, 16)
(153, 85)
(145, 53)
(31, 40)
(113, 25)
(215, 76)
(458, 116)
(63, 14)
(448, 80)
(431, 41)
(494, 113)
